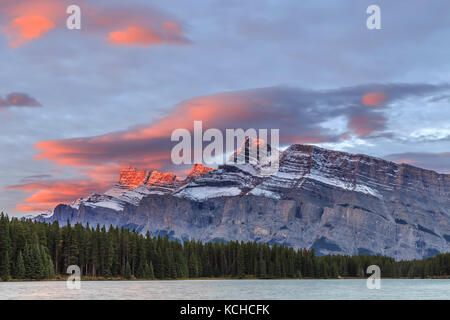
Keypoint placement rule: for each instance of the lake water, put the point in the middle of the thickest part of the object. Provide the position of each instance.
(229, 289)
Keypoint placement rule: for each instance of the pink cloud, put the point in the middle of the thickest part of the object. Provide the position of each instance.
(169, 32)
(374, 99)
(47, 194)
(28, 20)
(134, 35)
(439, 162)
(364, 125)
(18, 100)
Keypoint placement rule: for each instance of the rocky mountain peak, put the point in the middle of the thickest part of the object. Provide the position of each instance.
(157, 178)
(199, 170)
(251, 151)
(131, 178)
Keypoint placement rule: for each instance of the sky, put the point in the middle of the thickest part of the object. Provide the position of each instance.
(76, 106)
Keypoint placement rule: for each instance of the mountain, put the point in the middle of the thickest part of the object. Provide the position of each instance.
(334, 202)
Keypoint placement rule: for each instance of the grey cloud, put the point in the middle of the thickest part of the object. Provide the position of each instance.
(36, 177)
(18, 100)
(439, 162)
(440, 98)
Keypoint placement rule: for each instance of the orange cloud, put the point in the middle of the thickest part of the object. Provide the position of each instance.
(169, 32)
(134, 35)
(151, 143)
(46, 195)
(29, 28)
(30, 20)
(374, 99)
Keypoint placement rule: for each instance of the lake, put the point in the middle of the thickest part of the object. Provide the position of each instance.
(229, 289)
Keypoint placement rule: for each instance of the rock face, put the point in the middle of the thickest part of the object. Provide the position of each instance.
(334, 202)
(132, 178)
(198, 170)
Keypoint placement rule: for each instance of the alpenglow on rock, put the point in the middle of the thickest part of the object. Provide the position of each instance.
(334, 202)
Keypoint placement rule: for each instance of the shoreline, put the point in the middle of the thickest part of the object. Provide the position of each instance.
(100, 279)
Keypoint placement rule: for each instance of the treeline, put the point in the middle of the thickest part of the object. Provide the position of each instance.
(33, 250)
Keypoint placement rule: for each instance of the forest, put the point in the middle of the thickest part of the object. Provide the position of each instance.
(35, 251)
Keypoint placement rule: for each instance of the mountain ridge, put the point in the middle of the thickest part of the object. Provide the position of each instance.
(335, 202)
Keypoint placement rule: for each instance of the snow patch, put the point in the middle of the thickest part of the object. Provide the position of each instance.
(344, 184)
(116, 191)
(264, 193)
(204, 193)
(106, 204)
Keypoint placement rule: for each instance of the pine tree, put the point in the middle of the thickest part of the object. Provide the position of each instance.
(28, 262)
(140, 271)
(127, 274)
(240, 263)
(48, 271)
(151, 273)
(20, 267)
(4, 248)
(193, 266)
(55, 244)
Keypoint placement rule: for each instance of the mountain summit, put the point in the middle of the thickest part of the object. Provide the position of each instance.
(334, 202)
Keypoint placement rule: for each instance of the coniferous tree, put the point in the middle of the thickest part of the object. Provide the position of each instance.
(27, 262)
(127, 274)
(193, 266)
(4, 248)
(20, 267)
(151, 273)
(240, 263)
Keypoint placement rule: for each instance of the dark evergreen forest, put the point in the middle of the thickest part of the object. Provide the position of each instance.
(33, 250)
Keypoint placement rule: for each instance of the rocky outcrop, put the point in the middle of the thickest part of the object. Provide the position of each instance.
(198, 170)
(335, 202)
(132, 178)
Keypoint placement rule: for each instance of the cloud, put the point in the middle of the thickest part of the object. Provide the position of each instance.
(135, 36)
(170, 32)
(48, 194)
(364, 124)
(142, 27)
(18, 100)
(431, 134)
(444, 97)
(373, 99)
(439, 162)
(25, 29)
(36, 177)
(30, 20)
